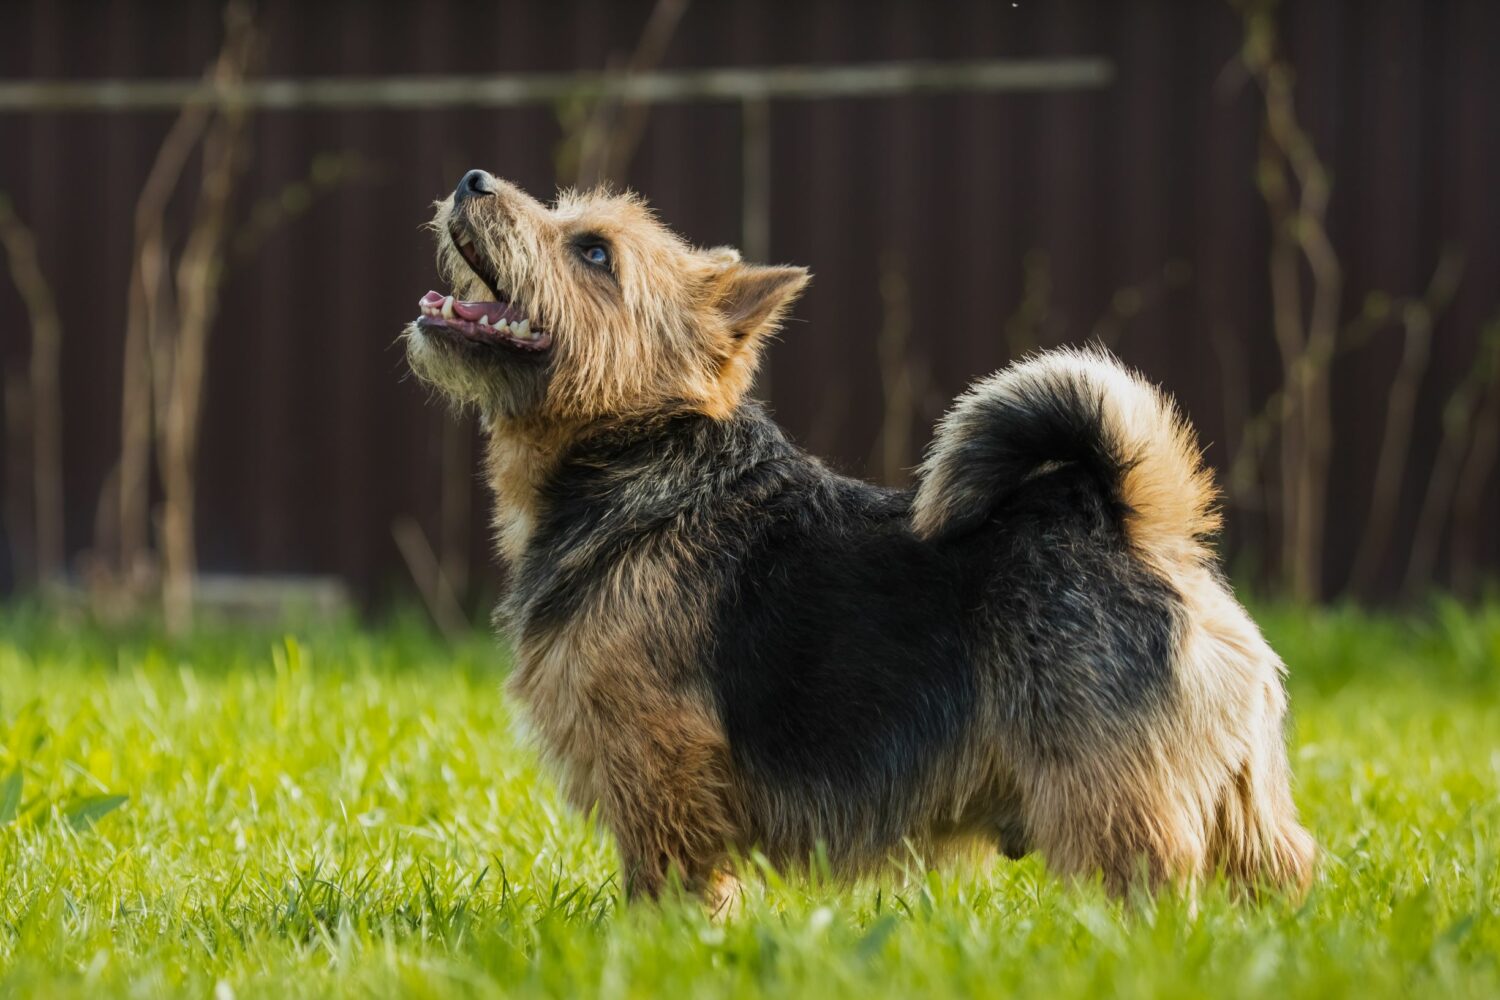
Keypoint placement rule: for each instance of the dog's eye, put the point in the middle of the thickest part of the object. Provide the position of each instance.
(596, 254)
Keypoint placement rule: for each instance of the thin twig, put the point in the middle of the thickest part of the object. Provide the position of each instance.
(18, 438)
(281, 207)
(1418, 319)
(457, 515)
(1464, 406)
(1474, 477)
(44, 394)
(1296, 189)
(198, 276)
(427, 573)
(616, 120)
(1023, 329)
(1128, 303)
(145, 309)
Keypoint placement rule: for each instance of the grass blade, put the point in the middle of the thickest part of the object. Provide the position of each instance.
(10, 796)
(87, 811)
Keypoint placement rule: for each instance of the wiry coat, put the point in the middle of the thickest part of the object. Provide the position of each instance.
(727, 647)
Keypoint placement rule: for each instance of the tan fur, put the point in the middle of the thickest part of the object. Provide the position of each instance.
(518, 458)
(681, 325)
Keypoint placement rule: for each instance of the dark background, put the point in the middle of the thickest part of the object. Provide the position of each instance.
(315, 440)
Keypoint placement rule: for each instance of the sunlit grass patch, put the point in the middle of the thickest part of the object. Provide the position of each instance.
(343, 811)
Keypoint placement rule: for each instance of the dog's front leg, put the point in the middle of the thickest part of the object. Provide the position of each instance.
(668, 801)
(653, 855)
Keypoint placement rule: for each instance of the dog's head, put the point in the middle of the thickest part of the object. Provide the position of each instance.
(587, 308)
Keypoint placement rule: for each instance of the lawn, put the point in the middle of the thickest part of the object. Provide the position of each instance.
(343, 811)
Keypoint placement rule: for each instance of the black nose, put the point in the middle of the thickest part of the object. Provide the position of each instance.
(474, 184)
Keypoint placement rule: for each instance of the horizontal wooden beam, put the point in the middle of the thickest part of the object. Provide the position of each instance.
(519, 90)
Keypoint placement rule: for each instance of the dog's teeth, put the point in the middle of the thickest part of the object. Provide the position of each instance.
(502, 325)
(484, 321)
(448, 307)
(522, 329)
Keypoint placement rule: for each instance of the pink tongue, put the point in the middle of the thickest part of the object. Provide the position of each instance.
(471, 311)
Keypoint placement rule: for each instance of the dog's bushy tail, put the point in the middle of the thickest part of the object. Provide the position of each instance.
(1080, 406)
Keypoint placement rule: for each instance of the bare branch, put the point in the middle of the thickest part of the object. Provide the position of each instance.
(1474, 477)
(144, 315)
(456, 500)
(1244, 484)
(616, 121)
(44, 394)
(1129, 302)
(1024, 328)
(199, 273)
(18, 439)
(281, 207)
(1417, 318)
(1295, 187)
(1466, 411)
(427, 572)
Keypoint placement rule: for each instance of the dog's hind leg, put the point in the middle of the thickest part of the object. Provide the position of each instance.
(1239, 759)
(1256, 840)
(1115, 822)
(1172, 811)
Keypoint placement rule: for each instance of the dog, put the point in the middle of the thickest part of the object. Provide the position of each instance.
(724, 646)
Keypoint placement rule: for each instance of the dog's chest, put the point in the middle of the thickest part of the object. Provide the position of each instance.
(619, 680)
(517, 467)
(551, 682)
(592, 696)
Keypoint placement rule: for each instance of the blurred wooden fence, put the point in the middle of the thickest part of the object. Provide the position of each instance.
(946, 231)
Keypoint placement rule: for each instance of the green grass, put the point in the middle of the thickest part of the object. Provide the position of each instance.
(350, 812)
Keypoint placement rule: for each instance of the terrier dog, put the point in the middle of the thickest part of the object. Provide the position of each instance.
(725, 646)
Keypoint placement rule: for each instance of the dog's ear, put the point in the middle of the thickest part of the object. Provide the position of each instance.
(754, 298)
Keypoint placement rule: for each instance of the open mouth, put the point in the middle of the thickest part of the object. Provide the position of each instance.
(499, 322)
